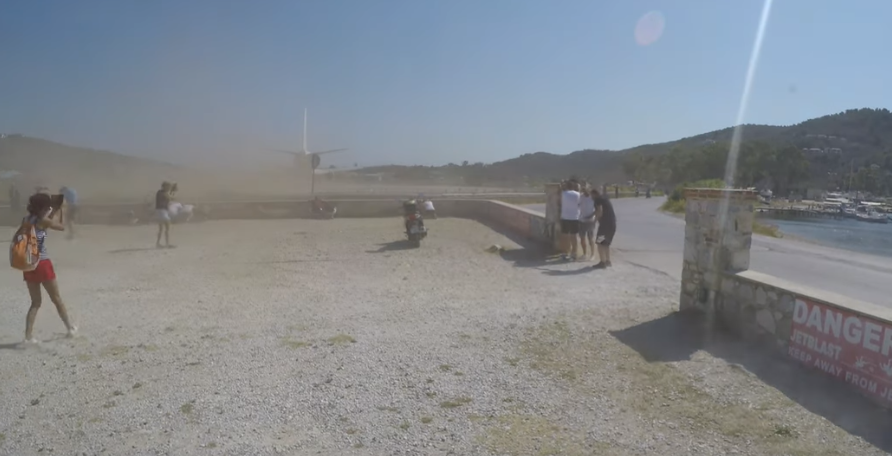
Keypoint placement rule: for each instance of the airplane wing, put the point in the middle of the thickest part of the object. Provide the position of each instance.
(329, 151)
(289, 152)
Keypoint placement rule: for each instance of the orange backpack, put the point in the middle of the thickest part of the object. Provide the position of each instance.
(24, 253)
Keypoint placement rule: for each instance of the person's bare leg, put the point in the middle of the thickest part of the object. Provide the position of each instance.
(607, 255)
(52, 289)
(167, 234)
(160, 230)
(574, 243)
(34, 291)
(591, 242)
(602, 255)
(584, 246)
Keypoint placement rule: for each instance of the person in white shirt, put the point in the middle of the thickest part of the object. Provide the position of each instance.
(587, 224)
(429, 210)
(569, 220)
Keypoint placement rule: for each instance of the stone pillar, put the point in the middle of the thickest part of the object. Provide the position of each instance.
(712, 246)
(552, 211)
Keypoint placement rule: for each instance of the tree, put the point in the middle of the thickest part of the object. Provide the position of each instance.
(754, 163)
(790, 167)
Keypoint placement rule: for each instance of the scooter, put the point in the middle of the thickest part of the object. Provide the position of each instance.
(414, 222)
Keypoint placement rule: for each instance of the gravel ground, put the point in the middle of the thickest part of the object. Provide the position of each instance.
(332, 338)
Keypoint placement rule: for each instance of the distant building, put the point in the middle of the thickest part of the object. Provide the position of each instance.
(819, 151)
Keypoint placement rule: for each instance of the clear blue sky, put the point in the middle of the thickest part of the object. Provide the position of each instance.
(422, 81)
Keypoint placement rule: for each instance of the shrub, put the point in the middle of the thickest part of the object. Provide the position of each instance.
(675, 203)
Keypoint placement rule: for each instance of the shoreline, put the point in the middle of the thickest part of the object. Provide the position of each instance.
(820, 243)
(783, 235)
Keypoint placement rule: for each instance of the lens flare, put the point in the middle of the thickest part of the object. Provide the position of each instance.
(649, 28)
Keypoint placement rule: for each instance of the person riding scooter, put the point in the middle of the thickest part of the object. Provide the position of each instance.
(410, 212)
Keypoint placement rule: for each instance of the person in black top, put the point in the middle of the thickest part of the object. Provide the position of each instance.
(606, 228)
(162, 213)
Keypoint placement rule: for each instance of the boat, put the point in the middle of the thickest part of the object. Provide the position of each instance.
(870, 214)
(873, 218)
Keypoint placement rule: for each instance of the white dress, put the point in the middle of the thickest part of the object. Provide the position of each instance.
(180, 212)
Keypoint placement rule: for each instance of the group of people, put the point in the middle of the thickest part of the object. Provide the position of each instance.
(582, 208)
(43, 217)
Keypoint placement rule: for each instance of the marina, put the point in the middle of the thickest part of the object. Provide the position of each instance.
(800, 212)
(833, 206)
(843, 233)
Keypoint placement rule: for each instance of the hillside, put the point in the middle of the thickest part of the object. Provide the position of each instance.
(836, 143)
(848, 149)
(109, 177)
(43, 162)
(862, 132)
(38, 156)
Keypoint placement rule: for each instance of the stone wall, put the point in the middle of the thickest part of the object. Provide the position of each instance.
(836, 335)
(718, 236)
(833, 334)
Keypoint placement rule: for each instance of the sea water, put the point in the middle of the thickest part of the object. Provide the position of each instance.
(848, 234)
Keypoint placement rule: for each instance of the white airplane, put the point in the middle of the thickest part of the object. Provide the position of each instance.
(304, 158)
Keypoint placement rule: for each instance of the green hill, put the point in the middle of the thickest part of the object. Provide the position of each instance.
(852, 147)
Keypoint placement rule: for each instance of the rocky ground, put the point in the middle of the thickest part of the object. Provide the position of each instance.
(334, 338)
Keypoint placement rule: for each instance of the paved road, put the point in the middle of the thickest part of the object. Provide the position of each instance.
(655, 240)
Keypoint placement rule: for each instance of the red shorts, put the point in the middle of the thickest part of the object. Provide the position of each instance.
(43, 273)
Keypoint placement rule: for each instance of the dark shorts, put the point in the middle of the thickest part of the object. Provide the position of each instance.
(570, 226)
(44, 272)
(586, 229)
(605, 235)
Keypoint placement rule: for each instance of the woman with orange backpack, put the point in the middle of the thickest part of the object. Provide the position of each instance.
(36, 224)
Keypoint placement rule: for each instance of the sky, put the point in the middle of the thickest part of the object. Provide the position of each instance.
(217, 82)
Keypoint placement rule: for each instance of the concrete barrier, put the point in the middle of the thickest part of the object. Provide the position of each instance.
(513, 198)
(519, 221)
(835, 335)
